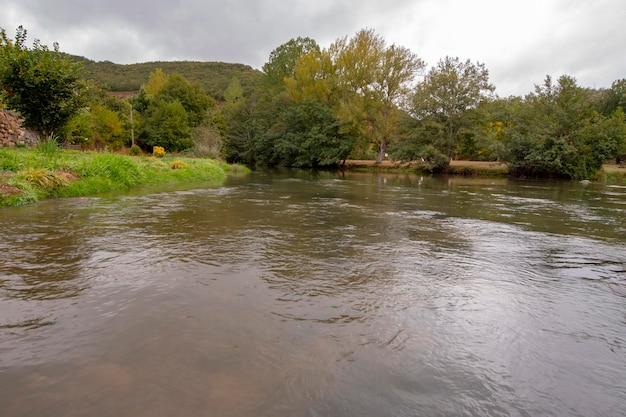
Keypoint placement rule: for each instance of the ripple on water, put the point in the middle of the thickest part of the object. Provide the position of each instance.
(317, 297)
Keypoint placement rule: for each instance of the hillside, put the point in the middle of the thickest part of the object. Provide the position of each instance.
(214, 76)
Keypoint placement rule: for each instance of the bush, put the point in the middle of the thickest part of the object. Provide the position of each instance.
(207, 142)
(135, 150)
(167, 125)
(158, 151)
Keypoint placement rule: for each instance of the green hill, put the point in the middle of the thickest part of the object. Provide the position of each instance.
(214, 76)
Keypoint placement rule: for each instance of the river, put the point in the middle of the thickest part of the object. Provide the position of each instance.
(302, 293)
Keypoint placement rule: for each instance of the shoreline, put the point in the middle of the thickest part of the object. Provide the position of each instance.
(460, 167)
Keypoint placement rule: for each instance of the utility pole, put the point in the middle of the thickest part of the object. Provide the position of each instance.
(132, 127)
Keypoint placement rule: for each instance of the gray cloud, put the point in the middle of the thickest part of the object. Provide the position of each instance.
(519, 42)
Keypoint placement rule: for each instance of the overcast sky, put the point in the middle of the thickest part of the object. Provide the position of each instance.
(519, 41)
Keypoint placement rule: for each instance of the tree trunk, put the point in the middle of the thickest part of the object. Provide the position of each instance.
(381, 152)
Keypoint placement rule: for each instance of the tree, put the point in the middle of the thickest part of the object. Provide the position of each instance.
(557, 132)
(175, 112)
(191, 95)
(361, 82)
(314, 78)
(156, 81)
(167, 125)
(614, 97)
(363, 79)
(442, 101)
(283, 59)
(233, 95)
(95, 125)
(375, 80)
(41, 84)
(308, 134)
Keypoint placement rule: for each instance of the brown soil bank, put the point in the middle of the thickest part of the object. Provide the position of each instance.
(454, 165)
(459, 167)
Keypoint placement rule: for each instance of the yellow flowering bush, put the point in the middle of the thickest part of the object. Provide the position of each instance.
(158, 151)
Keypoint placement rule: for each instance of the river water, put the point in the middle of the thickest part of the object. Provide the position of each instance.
(299, 293)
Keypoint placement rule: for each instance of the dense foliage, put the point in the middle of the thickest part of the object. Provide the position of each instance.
(213, 76)
(360, 98)
(558, 132)
(440, 106)
(39, 83)
(172, 110)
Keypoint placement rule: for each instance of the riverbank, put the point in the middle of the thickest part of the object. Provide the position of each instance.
(611, 173)
(28, 175)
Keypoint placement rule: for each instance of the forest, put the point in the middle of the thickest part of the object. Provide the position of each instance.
(213, 76)
(359, 98)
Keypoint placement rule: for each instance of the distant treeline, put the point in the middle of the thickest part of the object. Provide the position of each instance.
(215, 77)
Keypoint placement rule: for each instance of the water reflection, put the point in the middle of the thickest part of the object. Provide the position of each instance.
(302, 293)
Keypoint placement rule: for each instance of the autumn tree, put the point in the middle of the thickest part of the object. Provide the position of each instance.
(156, 80)
(41, 84)
(375, 79)
(363, 79)
(314, 78)
(233, 95)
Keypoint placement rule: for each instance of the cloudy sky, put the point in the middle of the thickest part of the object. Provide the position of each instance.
(519, 41)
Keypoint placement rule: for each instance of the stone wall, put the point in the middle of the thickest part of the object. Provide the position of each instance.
(11, 131)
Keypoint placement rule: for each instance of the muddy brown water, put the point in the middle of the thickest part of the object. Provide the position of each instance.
(298, 293)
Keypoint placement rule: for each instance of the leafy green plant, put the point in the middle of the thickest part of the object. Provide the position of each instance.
(43, 85)
(48, 146)
(135, 151)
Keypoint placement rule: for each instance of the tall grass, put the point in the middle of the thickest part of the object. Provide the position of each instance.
(49, 146)
(44, 178)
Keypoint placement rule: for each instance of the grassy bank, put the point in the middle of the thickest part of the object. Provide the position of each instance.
(31, 174)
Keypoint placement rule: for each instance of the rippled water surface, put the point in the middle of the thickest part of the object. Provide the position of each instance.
(318, 294)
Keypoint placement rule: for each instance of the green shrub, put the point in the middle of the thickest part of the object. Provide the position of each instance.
(135, 150)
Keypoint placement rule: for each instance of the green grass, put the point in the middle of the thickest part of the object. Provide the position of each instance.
(29, 175)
